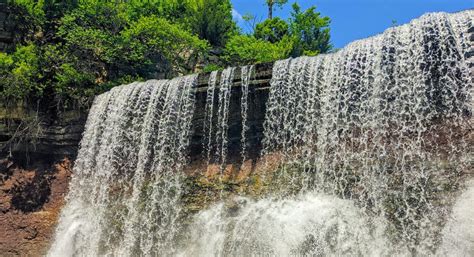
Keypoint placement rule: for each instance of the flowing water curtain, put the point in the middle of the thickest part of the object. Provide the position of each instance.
(209, 117)
(245, 77)
(382, 121)
(225, 88)
(216, 121)
(217, 116)
(126, 190)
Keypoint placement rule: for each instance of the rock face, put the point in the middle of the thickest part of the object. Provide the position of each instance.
(30, 201)
(26, 135)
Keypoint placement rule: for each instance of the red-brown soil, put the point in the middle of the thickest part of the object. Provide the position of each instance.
(30, 203)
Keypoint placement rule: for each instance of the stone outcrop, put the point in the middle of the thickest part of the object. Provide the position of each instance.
(26, 134)
(30, 202)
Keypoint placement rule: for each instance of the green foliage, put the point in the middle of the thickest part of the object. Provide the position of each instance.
(19, 72)
(212, 67)
(305, 33)
(80, 48)
(310, 30)
(152, 39)
(244, 49)
(33, 8)
(212, 20)
(72, 50)
(272, 30)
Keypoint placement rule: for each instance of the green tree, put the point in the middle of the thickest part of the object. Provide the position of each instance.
(153, 41)
(272, 30)
(74, 50)
(272, 3)
(19, 73)
(246, 49)
(212, 20)
(310, 31)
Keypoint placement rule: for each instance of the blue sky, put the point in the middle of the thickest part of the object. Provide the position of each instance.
(355, 19)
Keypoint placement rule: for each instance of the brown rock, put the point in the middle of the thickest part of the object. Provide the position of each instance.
(27, 231)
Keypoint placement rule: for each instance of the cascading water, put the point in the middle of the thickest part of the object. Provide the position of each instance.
(127, 181)
(227, 77)
(379, 122)
(245, 76)
(216, 122)
(209, 115)
(382, 123)
(371, 143)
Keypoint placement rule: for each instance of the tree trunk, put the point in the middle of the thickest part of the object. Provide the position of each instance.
(270, 11)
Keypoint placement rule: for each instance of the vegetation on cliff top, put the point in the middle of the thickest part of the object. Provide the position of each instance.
(69, 51)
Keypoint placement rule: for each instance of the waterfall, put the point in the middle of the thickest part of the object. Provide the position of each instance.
(216, 124)
(209, 114)
(380, 122)
(373, 139)
(365, 152)
(126, 186)
(309, 225)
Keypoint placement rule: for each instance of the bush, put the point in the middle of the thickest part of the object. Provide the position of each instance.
(244, 49)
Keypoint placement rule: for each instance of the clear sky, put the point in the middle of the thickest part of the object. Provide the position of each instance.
(355, 19)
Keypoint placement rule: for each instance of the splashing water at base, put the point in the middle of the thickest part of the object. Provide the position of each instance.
(307, 225)
(458, 234)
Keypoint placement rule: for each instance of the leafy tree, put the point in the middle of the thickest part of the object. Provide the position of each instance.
(245, 49)
(152, 41)
(212, 20)
(74, 50)
(310, 30)
(209, 19)
(272, 30)
(19, 72)
(272, 3)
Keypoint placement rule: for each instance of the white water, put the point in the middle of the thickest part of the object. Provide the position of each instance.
(124, 195)
(374, 134)
(308, 225)
(209, 116)
(245, 76)
(227, 77)
(382, 122)
(458, 234)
